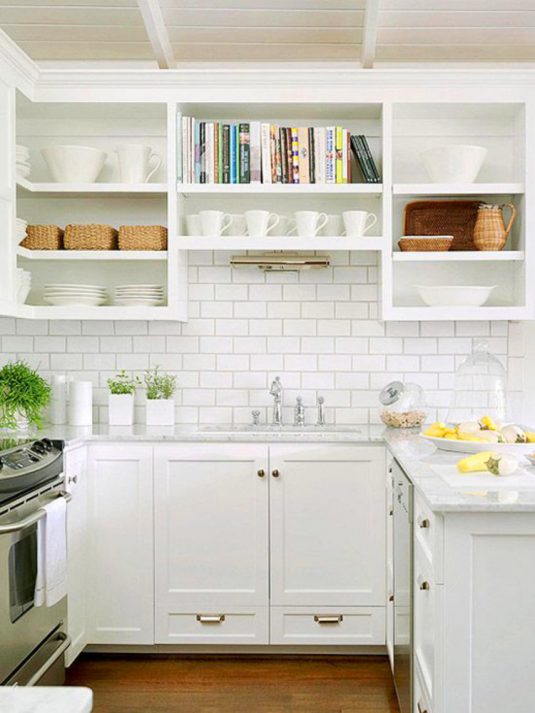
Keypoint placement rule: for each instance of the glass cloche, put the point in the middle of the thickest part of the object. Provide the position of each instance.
(403, 405)
(480, 388)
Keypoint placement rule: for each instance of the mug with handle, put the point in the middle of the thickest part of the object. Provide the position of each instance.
(309, 222)
(214, 222)
(358, 222)
(286, 226)
(261, 222)
(134, 163)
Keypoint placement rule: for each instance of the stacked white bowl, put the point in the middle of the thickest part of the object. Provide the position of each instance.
(22, 158)
(139, 295)
(67, 294)
(20, 230)
(24, 284)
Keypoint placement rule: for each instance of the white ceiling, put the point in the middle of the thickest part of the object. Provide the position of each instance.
(380, 31)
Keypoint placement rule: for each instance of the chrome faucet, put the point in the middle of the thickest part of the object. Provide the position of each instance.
(321, 411)
(276, 392)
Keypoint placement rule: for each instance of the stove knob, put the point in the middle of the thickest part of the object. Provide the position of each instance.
(47, 444)
(1, 463)
(39, 448)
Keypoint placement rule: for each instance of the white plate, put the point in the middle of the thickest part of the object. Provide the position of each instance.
(150, 287)
(74, 301)
(141, 302)
(69, 284)
(60, 288)
(445, 444)
(126, 295)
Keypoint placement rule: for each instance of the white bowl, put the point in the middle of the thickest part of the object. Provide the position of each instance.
(454, 164)
(454, 295)
(445, 444)
(74, 164)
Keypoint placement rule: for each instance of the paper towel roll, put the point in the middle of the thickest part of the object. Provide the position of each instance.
(58, 401)
(80, 409)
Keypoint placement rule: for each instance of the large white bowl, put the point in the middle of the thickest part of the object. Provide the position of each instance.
(454, 295)
(454, 164)
(74, 164)
(445, 444)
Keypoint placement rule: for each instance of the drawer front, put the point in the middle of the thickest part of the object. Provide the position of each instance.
(421, 700)
(236, 625)
(328, 625)
(426, 593)
(428, 533)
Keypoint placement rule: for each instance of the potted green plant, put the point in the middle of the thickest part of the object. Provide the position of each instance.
(121, 399)
(24, 395)
(160, 402)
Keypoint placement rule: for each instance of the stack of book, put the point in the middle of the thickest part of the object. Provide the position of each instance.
(258, 152)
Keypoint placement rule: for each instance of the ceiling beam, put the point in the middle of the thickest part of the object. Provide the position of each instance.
(369, 33)
(157, 32)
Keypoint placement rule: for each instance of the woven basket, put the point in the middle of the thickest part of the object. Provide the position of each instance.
(425, 245)
(92, 236)
(142, 237)
(43, 237)
(456, 217)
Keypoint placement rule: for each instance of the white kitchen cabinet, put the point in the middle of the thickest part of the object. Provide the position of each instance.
(211, 530)
(327, 525)
(75, 469)
(120, 606)
(389, 549)
(321, 626)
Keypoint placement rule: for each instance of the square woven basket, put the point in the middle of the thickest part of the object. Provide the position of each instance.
(43, 237)
(142, 237)
(91, 236)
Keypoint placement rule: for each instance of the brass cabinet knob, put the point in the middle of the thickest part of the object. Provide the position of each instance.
(424, 523)
(425, 586)
(261, 473)
(391, 598)
(275, 473)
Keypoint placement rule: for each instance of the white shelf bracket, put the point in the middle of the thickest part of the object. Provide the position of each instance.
(369, 33)
(157, 32)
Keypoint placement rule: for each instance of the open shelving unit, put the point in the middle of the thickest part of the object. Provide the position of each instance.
(397, 132)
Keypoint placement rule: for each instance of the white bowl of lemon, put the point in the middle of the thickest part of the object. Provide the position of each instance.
(481, 435)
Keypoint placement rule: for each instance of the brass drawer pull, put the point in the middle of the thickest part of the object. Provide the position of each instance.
(420, 709)
(425, 586)
(329, 619)
(211, 618)
(261, 473)
(275, 473)
(424, 523)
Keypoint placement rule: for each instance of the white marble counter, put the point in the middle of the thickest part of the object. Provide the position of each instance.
(417, 457)
(46, 699)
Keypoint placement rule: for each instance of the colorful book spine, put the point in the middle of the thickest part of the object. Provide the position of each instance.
(273, 152)
(360, 155)
(226, 153)
(330, 158)
(220, 152)
(203, 151)
(304, 161)
(321, 151)
(244, 162)
(265, 139)
(284, 155)
(295, 155)
(289, 158)
(196, 153)
(312, 155)
(233, 153)
(339, 155)
(349, 154)
(255, 152)
(369, 157)
(344, 155)
(209, 154)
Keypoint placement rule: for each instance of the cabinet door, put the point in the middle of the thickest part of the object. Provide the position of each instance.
(211, 533)
(76, 485)
(389, 513)
(327, 525)
(120, 543)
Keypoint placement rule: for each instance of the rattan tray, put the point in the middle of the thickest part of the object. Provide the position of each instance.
(456, 218)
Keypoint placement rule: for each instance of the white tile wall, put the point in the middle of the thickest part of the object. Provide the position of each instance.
(317, 330)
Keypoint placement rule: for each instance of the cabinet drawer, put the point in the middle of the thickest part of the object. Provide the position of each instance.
(426, 596)
(428, 533)
(236, 625)
(328, 625)
(421, 699)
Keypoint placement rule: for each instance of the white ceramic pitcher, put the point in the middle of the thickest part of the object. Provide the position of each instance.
(135, 163)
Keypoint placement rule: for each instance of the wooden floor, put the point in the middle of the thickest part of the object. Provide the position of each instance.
(166, 684)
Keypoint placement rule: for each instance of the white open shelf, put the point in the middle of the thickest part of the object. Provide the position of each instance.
(284, 242)
(278, 188)
(457, 189)
(448, 314)
(459, 256)
(96, 189)
(107, 255)
(106, 312)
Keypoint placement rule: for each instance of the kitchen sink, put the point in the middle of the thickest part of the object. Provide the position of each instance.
(271, 429)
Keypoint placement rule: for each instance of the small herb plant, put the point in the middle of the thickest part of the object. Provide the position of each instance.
(159, 386)
(23, 394)
(123, 384)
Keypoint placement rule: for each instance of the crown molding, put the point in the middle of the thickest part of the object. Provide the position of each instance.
(17, 69)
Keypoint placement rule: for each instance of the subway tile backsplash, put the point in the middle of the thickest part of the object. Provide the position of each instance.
(318, 330)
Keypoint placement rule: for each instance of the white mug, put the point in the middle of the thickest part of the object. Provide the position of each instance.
(237, 225)
(134, 163)
(333, 226)
(214, 222)
(193, 224)
(357, 222)
(309, 222)
(285, 226)
(261, 222)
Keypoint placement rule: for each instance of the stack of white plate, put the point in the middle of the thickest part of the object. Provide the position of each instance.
(24, 284)
(80, 295)
(139, 295)
(20, 230)
(22, 158)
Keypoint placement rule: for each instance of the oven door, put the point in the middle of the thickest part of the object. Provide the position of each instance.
(23, 627)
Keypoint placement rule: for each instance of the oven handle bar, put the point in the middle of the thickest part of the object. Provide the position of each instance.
(66, 642)
(30, 519)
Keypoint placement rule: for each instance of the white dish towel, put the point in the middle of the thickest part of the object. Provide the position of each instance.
(51, 581)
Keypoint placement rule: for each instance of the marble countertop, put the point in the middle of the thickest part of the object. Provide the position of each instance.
(422, 462)
(45, 699)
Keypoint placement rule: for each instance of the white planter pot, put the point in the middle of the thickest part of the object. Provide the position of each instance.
(160, 412)
(121, 409)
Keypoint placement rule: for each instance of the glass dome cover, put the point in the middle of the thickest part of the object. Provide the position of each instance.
(480, 387)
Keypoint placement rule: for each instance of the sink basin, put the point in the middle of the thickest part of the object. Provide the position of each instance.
(271, 429)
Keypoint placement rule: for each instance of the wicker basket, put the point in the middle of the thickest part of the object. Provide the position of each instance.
(455, 217)
(142, 237)
(43, 237)
(425, 245)
(92, 236)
